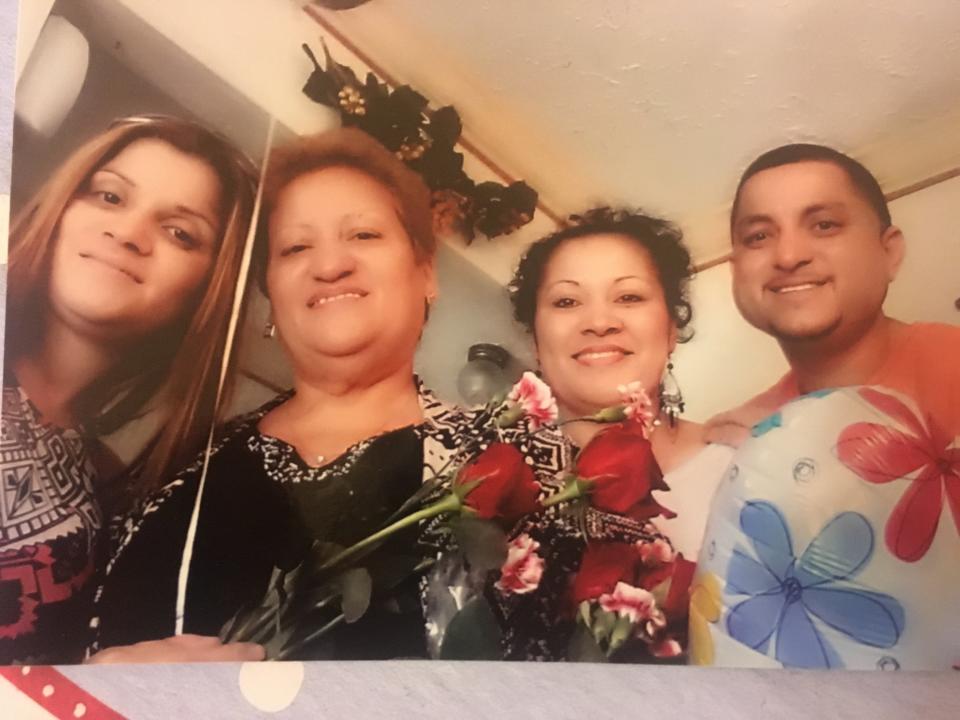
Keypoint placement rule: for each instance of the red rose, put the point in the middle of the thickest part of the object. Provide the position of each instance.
(602, 567)
(620, 468)
(504, 486)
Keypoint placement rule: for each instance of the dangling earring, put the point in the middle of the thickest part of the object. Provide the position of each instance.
(270, 330)
(671, 399)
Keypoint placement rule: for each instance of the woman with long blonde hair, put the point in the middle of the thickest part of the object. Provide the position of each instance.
(122, 271)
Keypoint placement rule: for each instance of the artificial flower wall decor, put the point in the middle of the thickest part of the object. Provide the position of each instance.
(425, 139)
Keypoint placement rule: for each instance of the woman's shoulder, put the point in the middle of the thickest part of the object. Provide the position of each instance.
(233, 433)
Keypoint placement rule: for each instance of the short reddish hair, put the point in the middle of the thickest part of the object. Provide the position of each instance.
(352, 148)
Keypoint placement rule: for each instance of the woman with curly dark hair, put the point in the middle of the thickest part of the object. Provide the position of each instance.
(606, 300)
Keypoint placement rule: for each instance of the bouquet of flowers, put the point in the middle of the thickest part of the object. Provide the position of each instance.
(622, 593)
(477, 502)
(615, 579)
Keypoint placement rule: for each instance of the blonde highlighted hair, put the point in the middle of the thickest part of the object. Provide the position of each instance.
(179, 365)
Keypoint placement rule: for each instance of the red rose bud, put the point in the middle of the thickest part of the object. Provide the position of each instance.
(602, 567)
(499, 484)
(619, 466)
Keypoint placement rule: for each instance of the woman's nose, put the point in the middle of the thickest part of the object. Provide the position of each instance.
(602, 321)
(331, 262)
(131, 231)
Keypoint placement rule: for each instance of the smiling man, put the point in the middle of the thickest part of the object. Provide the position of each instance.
(814, 251)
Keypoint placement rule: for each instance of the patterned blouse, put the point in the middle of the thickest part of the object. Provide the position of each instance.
(50, 531)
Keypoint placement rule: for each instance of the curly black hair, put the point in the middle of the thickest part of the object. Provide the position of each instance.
(661, 239)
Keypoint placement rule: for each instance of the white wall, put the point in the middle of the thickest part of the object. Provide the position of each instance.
(928, 284)
(727, 361)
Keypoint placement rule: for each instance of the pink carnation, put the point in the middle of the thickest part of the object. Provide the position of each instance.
(523, 568)
(636, 403)
(655, 553)
(535, 398)
(629, 601)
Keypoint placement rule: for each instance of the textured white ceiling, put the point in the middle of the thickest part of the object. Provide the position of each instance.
(662, 104)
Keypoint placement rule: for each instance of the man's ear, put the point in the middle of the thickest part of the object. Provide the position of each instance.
(895, 248)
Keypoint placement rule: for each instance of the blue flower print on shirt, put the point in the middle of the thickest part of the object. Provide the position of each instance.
(787, 592)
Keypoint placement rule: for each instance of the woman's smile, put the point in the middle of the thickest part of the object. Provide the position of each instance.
(320, 299)
(595, 355)
(118, 267)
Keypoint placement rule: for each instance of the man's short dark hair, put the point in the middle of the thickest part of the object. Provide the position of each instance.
(862, 179)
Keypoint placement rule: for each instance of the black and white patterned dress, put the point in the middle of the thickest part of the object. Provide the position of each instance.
(262, 506)
(50, 535)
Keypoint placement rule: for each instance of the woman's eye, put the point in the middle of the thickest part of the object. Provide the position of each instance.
(365, 235)
(293, 249)
(630, 298)
(564, 302)
(110, 198)
(183, 237)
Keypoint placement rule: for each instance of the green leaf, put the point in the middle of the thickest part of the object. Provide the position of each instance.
(356, 586)
(473, 634)
(583, 647)
(621, 632)
(661, 591)
(586, 613)
(603, 624)
(482, 542)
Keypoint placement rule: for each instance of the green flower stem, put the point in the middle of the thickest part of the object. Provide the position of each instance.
(613, 414)
(509, 417)
(574, 489)
(252, 625)
(319, 632)
(451, 503)
(259, 622)
(323, 630)
(266, 627)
